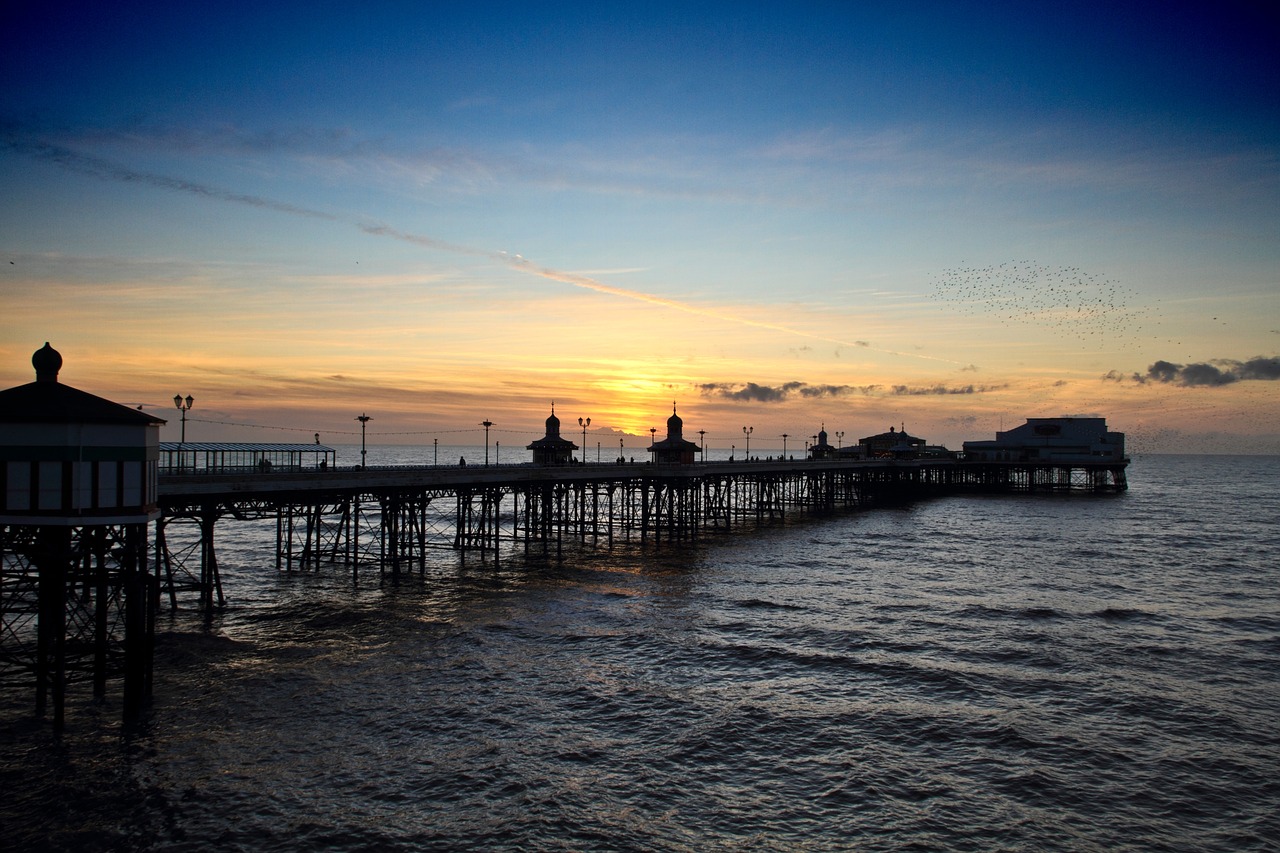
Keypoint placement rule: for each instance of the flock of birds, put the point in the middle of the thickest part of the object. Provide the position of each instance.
(1101, 313)
(1094, 309)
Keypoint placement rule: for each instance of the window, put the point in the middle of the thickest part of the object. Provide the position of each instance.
(18, 481)
(50, 494)
(107, 484)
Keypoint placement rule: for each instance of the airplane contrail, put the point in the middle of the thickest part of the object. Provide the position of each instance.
(522, 264)
(106, 170)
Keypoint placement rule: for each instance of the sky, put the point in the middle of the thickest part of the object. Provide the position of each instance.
(943, 217)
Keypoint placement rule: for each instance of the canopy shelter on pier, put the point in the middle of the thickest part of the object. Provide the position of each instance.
(215, 457)
(551, 449)
(674, 448)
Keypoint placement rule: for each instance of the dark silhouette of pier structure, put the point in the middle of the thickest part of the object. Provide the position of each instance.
(87, 608)
(388, 520)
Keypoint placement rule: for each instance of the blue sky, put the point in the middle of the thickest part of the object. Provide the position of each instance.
(436, 210)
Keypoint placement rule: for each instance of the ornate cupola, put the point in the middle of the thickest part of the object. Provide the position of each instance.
(675, 426)
(48, 363)
(553, 424)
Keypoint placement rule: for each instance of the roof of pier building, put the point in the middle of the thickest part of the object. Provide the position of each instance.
(674, 448)
(48, 401)
(891, 443)
(191, 457)
(1051, 438)
(70, 458)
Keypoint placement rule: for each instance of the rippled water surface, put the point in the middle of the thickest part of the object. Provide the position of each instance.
(971, 673)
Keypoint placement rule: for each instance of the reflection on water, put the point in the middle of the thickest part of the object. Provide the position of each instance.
(1057, 673)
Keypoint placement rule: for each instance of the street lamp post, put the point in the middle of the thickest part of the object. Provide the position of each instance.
(653, 435)
(363, 419)
(435, 451)
(702, 441)
(584, 423)
(184, 406)
(839, 439)
(622, 451)
(784, 447)
(486, 424)
(747, 432)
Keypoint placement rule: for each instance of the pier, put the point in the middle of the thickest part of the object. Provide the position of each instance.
(80, 602)
(388, 520)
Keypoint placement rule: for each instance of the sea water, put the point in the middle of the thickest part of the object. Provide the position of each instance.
(1022, 672)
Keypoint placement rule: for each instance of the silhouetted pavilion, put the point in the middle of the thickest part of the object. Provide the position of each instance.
(674, 448)
(551, 449)
(822, 450)
(893, 444)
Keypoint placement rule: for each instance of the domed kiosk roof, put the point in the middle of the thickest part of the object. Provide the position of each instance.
(675, 442)
(48, 401)
(552, 441)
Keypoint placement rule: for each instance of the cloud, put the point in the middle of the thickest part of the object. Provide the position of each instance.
(1211, 374)
(1206, 374)
(1260, 368)
(940, 390)
(756, 393)
(750, 392)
